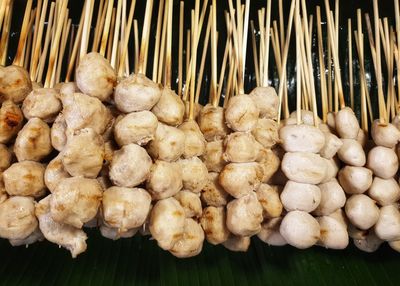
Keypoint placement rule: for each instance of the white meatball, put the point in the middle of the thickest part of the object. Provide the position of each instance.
(307, 117)
(237, 243)
(54, 173)
(115, 234)
(17, 217)
(195, 144)
(241, 147)
(212, 156)
(270, 164)
(213, 194)
(270, 232)
(168, 143)
(136, 127)
(5, 157)
(340, 216)
(332, 169)
(194, 174)
(383, 162)
(190, 202)
(362, 211)
(167, 223)
(355, 180)
(332, 198)
(125, 208)
(331, 147)
(33, 141)
(95, 76)
(83, 154)
(11, 120)
(362, 138)
(239, 179)
(388, 225)
(69, 88)
(333, 234)
(267, 101)
(35, 236)
(369, 244)
(300, 196)
(64, 235)
(266, 132)
(83, 111)
(244, 215)
(130, 166)
(58, 133)
(384, 191)
(212, 122)
(386, 135)
(304, 167)
(136, 93)
(15, 84)
(301, 138)
(191, 242)
(241, 113)
(352, 153)
(165, 179)
(214, 226)
(331, 120)
(300, 229)
(43, 103)
(25, 179)
(170, 108)
(346, 124)
(268, 197)
(75, 201)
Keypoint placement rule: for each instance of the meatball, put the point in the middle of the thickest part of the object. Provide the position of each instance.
(266, 100)
(5, 157)
(270, 232)
(58, 133)
(115, 234)
(270, 164)
(333, 234)
(352, 153)
(346, 124)
(332, 198)
(194, 174)
(241, 113)
(35, 236)
(388, 225)
(302, 138)
(190, 202)
(355, 180)
(268, 196)
(383, 162)
(362, 211)
(95, 76)
(170, 108)
(304, 167)
(43, 103)
(241, 147)
(212, 157)
(237, 243)
(213, 194)
(195, 144)
(11, 119)
(15, 84)
(212, 122)
(214, 226)
(300, 196)
(54, 173)
(266, 132)
(370, 243)
(191, 242)
(384, 191)
(25, 179)
(130, 166)
(33, 141)
(165, 179)
(386, 135)
(331, 146)
(136, 93)
(307, 117)
(69, 88)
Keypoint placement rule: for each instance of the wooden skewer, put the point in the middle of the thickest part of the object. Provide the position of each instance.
(106, 27)
(246, 32)
(160, 64)
(168, 59)
(299, 72)
(110, 37)
(37, 44)
(255, 56)
(212, 24)
(125, 42)
(98, 33)
(350, 54)
(137, 43)
(194, 59)
(187, 70)
(116, 35)
(145, 37)
(397, 17)
(62, 50)
(86, 28)
(36, 29)
(3, 6)
(223, 67)
(324, 97)
(267, 36)
(6, 31)
(281, 25)
(99, 24)
(261, 25)
(50, 27)
(310, 27)
(160, 20)
(28, 46)
(329, 63)
(24, 32)
(180, 48)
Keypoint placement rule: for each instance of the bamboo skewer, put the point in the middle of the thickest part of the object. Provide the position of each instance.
(5, 32)
(267, 36)
(168, 59)
(299, 72)
(110, 36)
(194, 59)
(137, 44)
(125, 41)
(255, 55)
(116, 35)
(180, 47)
(24, 32)
(324, 98)
(212, 25)
(145, 38)
(160, 20)
(350, 54)
(46, 43)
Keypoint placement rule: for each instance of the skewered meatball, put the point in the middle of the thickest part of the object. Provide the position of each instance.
(369, 243)
(136, 127)
(11, 119)
(167, 223)
(362, 138)
(213, 194)
(69, 88)
(212, 122)
(266, 132)
(191, 242)
(136, 93)
(17, 218)
(15, 84)
(54, 173)
(82, 111)
(346, 124)
(190, 202)
(5, 157)
(237, 243)
(333, 234)
(270, 232)
(352, 153)
(25, 179)
(213, 222)
(195, 144)
(35, 236)
(33, 141)
(241, 113)
(194, 174)
(43, 103)
(362, 211)
(267, 101)
(244, 215)
(168, 143)
(355, 180)
(386, 135)
(75, 201)
(331, 147)
(212, 157)
(125, 208)
(165, 179)
(332, 169)
(307, 117)
(95, 76)
(270, 164)
(384, 191)
(301, 138)
(332, 198)
(383, 162)
(300, 229)
(388, 225)
(268, 197)
(64, 235)
(241, 147)
(239, 179)
(84, 153)
(340, 216)
(170, 108)
(115, 234)
(304, 167)
(300, 196)
(130, 166)
(58, 133)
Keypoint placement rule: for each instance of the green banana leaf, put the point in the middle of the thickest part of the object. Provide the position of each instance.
(139, 261)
